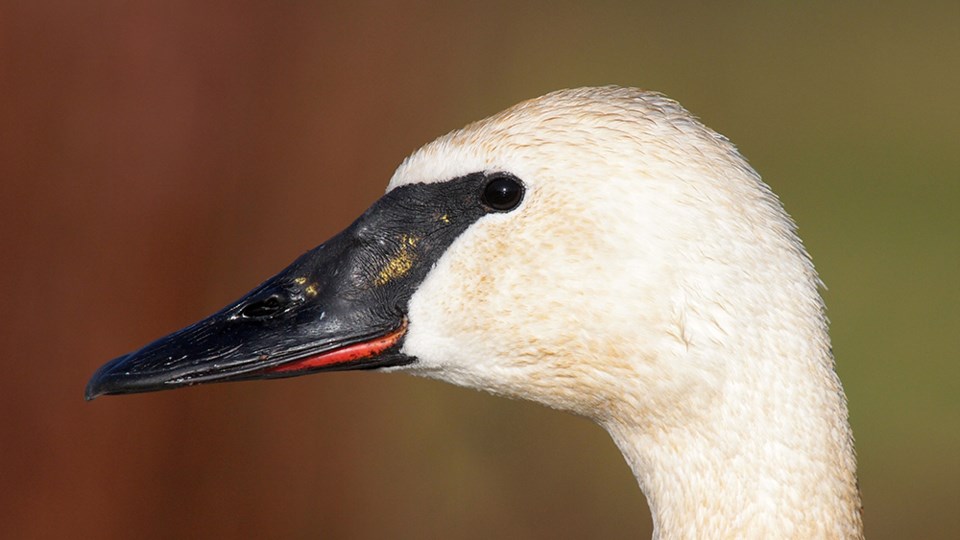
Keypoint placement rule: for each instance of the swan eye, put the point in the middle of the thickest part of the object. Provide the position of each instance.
(503, 193)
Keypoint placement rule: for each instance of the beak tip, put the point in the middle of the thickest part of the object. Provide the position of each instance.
(101, 382)
(94, 388)
(91, 392)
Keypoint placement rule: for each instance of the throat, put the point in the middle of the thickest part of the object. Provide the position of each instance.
(741, 474)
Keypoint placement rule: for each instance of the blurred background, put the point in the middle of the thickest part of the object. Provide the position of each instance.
(159, 159)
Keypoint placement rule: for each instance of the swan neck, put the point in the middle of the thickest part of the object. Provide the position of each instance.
(735, 477)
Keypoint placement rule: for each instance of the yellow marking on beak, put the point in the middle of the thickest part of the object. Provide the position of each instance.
(399, 264)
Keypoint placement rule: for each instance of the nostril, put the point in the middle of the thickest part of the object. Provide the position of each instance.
(263, 308)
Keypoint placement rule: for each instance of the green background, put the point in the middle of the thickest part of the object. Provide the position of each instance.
(158, 159)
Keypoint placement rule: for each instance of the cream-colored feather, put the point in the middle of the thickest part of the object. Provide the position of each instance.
(652, 282)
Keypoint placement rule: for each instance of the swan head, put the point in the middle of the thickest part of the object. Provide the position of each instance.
(643, 262)
(597, 250)
(632, 243)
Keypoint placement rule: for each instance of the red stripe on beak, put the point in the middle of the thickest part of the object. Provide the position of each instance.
(350, 353)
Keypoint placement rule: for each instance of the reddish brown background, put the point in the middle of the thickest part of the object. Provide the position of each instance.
(158, 159)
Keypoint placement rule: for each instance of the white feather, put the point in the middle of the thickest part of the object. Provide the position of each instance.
(652, 282)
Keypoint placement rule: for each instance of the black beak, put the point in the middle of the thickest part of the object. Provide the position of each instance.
(321, 313)
(340, 306)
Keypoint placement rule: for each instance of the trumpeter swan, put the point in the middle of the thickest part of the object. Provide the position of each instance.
(597, 250)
